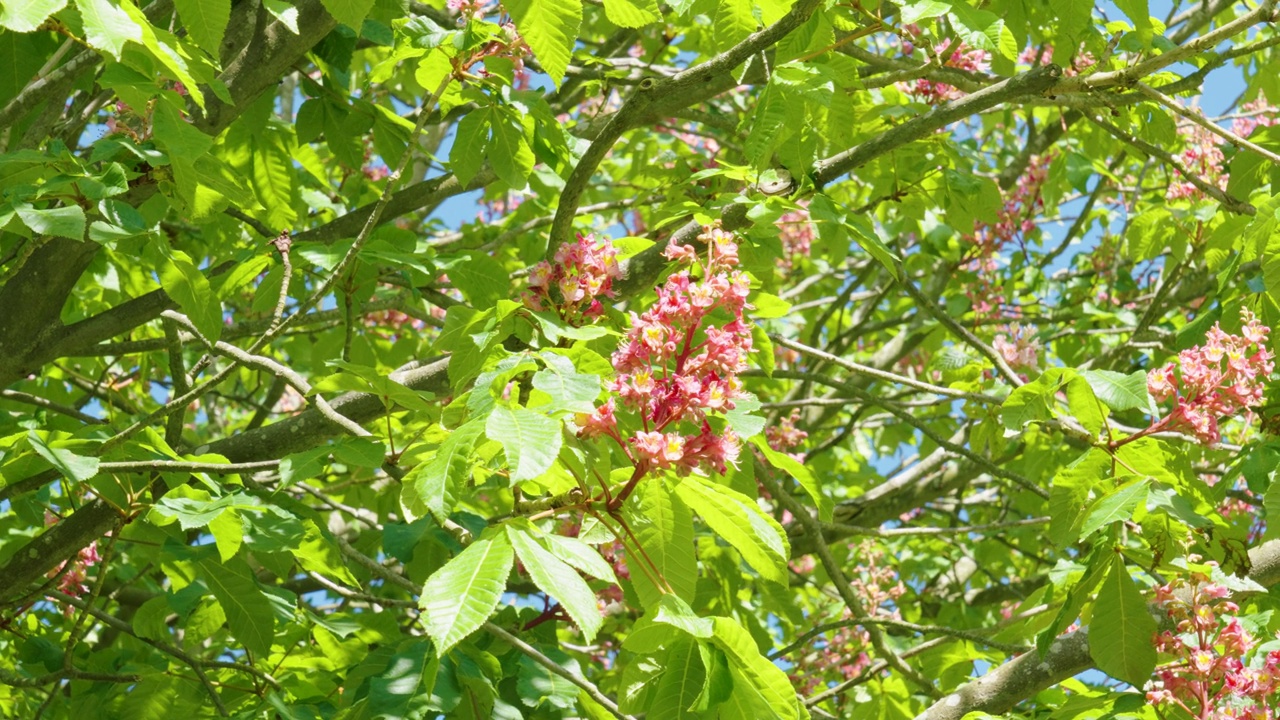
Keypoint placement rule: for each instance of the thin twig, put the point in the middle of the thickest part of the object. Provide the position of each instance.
(836, 573)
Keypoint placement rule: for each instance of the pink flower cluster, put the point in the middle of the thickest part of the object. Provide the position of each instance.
(843, 656)
(1218, 379)
(1202, 156)
(1043, 55)
(785, 435)
(72, 582)
(1254, 114)
(1212, 676)
(796, 233)
(470, 9)
(962, 57)
(583, 272)
(1018, 347)
(675, 366)
(1014, 222)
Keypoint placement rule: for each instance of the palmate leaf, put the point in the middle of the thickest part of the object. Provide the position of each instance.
(459, 597)
(530, 439)
(569, 389)
(401, 690)
(1070, 493)
(678, 690)
(580, 555)
(557, 579)
(184, 282)
(1122, 627)
(206, 21)
(273, 176)
(27, 15)
(538, 685)
(71, 465)
(663, 525)
(1116, 505)
(551, 28)
(733, 516)
(760, 688)
(349, 12)
(1119, 391)
(106, 26)
(802, 474)
(249, 614)
(433, 485)
(632, 13)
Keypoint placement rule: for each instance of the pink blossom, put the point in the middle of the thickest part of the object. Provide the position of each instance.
(674, 367)
(1211, 673)
(1213, 381)
(583, 272)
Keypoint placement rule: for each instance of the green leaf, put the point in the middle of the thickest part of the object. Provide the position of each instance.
(557, 579)
(1084, 405)
(569, 390)
(734, 21)
(71, 465)
(435, 483)
(538, 686)
(23, 16)
(757, 682)
(398, 690)
(1140, 14)
(66, 221)
(249, 614)
(923, 10)
(681, 683)
(769, 306)
(1034, 402)
(1121, 631)
(555, 328)
(186, 285)
(1115, 506)
(459, 597)
(509, 152)
(670, 618)
(469, 146)
(1271, 504)
(864, 233)
(1077, 594)
(1119, 391)
(227, 528)
(741, 419)
(580, 555)
(194, 508)
(482, 280)
(349, 12)
(1070, 493)
(284, 12)
(550, 27)
(530, 440)
(802, 474)
(640, 678)
(736, 518)
(675, 612)
(632, 13)
(1073, 16)
(273, 177)
(107, 27)
(982, 29)
(663, 525)
(317, 552)
(205, 21)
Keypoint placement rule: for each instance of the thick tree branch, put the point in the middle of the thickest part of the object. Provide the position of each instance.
(1004, 687)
